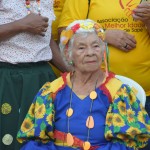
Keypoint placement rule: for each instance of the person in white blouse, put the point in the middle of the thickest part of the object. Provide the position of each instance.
(26, 47)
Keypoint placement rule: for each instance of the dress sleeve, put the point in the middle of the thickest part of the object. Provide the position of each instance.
(127, 121)
(73, 10)
(37, 127)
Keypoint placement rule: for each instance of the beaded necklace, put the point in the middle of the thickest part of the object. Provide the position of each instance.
(28, 6)
(89, 122)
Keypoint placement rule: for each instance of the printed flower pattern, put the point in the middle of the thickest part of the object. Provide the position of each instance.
(118, 121)
(109, 119)
(129, 124)
(27, 125)
(123, 137)
(41, 109)
(31, 110)
(133, 131)
(126, 121)
(142, 139)
(141, 117)
(49, 119)
(130, 115)
(122, 107)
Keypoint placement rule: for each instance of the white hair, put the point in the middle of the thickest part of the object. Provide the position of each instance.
(81, 31)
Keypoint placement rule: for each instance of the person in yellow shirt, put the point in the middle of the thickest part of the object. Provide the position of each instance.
(58, 6)
(127, 25)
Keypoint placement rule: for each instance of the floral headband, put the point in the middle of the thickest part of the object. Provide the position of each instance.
(66, 35)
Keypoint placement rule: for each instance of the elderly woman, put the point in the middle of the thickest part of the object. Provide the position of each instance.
(87, 109)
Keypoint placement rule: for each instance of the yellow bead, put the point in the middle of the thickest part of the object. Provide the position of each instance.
(90, 122)
(86, 145)
(70, 139)
(69, 112)
(93, 95)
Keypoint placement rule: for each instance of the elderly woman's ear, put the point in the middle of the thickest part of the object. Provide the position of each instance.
(66, 55)
(68, 58)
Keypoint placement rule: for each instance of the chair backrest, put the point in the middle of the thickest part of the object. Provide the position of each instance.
(140, 91)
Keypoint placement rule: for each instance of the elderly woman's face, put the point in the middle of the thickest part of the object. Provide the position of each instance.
(87, 52)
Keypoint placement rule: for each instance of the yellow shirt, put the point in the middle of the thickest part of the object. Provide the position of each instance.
(58, 6)
(116, 15)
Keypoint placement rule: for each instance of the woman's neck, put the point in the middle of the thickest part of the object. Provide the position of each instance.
(87, 77)
(84, 83)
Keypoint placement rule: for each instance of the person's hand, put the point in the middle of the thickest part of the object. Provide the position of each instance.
(142, 12)
(120, 39)
(35, 24)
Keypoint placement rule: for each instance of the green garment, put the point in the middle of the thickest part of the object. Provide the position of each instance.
(19, 84)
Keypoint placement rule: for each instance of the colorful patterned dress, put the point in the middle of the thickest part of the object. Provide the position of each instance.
(120, 121)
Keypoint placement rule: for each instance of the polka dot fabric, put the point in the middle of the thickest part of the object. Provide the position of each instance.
(25, 47)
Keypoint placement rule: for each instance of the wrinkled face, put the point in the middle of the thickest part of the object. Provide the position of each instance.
(87, 52)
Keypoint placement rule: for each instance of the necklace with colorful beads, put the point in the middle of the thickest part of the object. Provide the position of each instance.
(28, 6)
(89, 122)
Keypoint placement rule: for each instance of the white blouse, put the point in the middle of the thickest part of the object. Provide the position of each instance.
(25, 47)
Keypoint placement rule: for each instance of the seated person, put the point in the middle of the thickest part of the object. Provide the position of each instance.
(88, 108)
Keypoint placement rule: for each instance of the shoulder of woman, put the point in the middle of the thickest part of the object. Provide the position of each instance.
(56, 85)
(111, 86)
